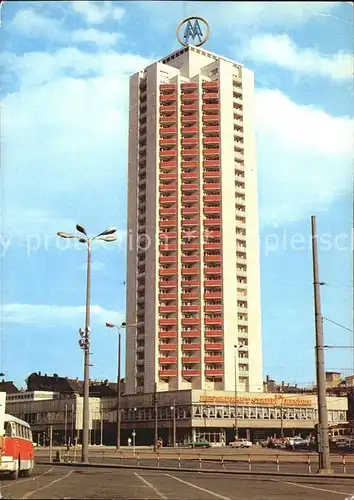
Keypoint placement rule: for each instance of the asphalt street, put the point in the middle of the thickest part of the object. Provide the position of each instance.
(57, 482)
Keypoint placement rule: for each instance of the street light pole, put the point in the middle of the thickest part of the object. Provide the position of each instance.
(173, 408)
(323, 449)
(84, 342)
(236, 407)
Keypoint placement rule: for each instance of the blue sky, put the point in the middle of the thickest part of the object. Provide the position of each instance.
(65, 74)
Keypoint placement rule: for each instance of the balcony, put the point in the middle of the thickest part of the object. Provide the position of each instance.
(208, 283)
(213, 321)
(189, 130)
(168, 334)
(167, 360)
(168, 153)
(168, 177)
(164, 236)
(189, 140)
(190, 359)
(212, 295)
(167, 87)
(189, 86)
(190, 198)
(171, 141)
(211, 151)
(168, 109)
(210, 85)
(214, 333)
(167, 309)
(210, 96)
(191, 295)
(212, 174)
(168, 98)
(168, 164)
(190, 284)
(212, 246)
(209, 107)
(167, 211)
(211, 163)
(168, 322)
(191, 373)
(168, 223)
(190, 210)
(164, 200)
(190, 347)
(168, 119)
(189, 187)
(215, 118)
(168, 259)
(189, 119)
(190, 271)
(190, 334)
(206, 140)
(190, 258)
(190, 246)
(213, 308)
(191, 163)
(189, 107)
(190, 222)
(167, 347)
(216, 373)
(167, 296)
(190, 321)
(195, 308)
(211, 129)
(213, 347)
(213, 359)
(212, 270)
(167, 284)
(167, 373)
(212, 222)
(189, 152)
(168, 130)
(190, 96)
(168, 272)
(212, 210)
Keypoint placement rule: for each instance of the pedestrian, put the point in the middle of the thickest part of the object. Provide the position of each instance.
(129, 441)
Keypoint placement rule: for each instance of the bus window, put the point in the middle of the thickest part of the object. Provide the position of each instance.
(8, 429)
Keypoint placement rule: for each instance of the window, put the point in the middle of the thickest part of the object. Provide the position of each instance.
(8, 429)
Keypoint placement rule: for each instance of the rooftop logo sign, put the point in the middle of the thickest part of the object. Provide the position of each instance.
(191, 29)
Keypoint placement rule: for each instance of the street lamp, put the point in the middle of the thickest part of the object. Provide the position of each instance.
(85, 341)
(118, 421)
(236, 407)
(173, 409)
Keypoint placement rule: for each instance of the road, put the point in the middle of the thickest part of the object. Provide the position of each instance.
(57, 482)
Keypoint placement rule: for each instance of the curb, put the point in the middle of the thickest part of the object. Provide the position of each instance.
(205, 471)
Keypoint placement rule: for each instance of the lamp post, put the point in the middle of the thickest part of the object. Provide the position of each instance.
(236, 407)
(173, 409)
(85, 341)
(119, 375)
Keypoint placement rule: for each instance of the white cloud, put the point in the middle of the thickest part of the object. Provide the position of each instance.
(52, 315)
(91, 35)
(304, 156)
(97, 12)
(281, 51)
(31, 23)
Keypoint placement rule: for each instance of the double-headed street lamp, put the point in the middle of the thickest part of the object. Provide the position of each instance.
(107, 236)
(119, 375)
(236, 347)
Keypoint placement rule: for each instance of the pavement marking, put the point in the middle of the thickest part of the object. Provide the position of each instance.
(312, 487)
(158, 492)
(30, 493)
(15, 483)
(199, 487)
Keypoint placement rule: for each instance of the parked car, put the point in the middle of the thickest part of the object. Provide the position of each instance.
(342, 442)
(199, 443)
(297, 443)
(240, 443)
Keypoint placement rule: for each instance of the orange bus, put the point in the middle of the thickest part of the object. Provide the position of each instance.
(16, 447)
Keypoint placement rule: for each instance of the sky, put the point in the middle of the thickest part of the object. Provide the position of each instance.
(65, 77)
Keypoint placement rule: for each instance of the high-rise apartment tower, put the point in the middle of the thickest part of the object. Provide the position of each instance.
(193, 277)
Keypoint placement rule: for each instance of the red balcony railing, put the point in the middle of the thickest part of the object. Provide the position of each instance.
(211, 118)
(168, 119)
(167, 87)
(167, 199)
(211, 107)
(168, 109)
(190, 152)
(189, 130)
(190, 197)
(189, 140)
(195, 308)
(211, 163)
(208, 283)
(168, 142)
(168, 321)
(189, 96)
(190, 175)
(168, 130)
(212, 246)
(190, 347)
(168, 223)
(212, 210)
(168, 164)
(214, 308)
(166, 188)
(211, 151)
(190, 258)
(168, 334)
(168, 259)
(190, 210)
(189, 187)
(191, 373)
(214, 333)
(167, 309)
(189, 284)
(167, 347)
(169, 152)
(190, 295)
(211, 198)
(167, 211)
(167, 360)
(190, 222)
(189, 86)
(212, 222)
(213, 321)
(189, 119)
(168, 272)
(210, 85)
(206, 140)
(213, 347)
(216, 372)
(164, 237)
(167, 296)
(190, 271)
(212, 174)
(190, 321)
(167, 373)
(213, 359)
(168, 284)
(169, 176)
(213, 295)
(168, 98)
(190, 359)
(190, 334)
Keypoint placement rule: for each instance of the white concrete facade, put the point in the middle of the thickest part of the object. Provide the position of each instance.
(193, 274)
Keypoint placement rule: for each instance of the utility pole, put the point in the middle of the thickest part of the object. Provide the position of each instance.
(236, 407)
(324, 456)
(118, 391)
(154, 401)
